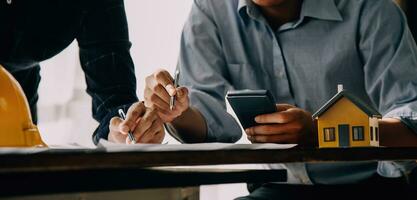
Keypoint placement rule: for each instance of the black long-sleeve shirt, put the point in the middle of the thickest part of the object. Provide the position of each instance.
(35, 30)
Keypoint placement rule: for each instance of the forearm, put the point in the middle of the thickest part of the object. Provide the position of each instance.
(191, 126)
(393, 133)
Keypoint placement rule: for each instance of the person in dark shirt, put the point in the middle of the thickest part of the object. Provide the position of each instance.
(33, 31)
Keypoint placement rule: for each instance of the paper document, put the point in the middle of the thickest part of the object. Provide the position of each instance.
(113, 147)
(5, 151)
(70, 146)
(107, 146)
(50, 148)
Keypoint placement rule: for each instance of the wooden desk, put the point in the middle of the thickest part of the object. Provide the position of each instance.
(57, 171)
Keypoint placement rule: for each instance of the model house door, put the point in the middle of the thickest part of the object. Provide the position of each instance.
(343, 135)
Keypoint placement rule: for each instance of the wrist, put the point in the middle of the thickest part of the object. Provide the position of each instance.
(173, 126)
(171, 130)
(181, 117)
(190, 126)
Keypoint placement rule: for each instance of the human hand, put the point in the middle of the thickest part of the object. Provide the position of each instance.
(290, 125)
(144, 123)
(158, 91)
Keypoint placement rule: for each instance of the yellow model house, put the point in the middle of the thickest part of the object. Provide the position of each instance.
(346, 121)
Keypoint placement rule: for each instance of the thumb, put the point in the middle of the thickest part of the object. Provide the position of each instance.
(133, 114)
(115, 125)
(182, 94)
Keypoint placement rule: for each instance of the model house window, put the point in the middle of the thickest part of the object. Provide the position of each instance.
(371, 132)
(329, 135)
(358, 134)
(376, 134)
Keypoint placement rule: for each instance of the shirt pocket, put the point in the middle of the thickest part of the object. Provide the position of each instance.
(245, 76)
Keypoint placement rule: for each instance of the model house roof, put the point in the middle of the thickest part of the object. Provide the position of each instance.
(369, 110)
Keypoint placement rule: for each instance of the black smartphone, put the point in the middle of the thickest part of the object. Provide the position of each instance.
(248, 104)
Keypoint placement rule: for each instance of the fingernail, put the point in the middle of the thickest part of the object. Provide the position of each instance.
(257, 119)
(170, 89)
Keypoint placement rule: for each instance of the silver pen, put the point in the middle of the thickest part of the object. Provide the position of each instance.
(173, 98)
(129, 134)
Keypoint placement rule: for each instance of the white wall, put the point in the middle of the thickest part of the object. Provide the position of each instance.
(155, 29)
(64, 107)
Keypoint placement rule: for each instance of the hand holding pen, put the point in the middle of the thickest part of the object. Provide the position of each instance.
(129, 134)
(138, 125)
(163, 94)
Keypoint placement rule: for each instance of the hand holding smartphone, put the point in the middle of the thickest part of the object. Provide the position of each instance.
(247, 104)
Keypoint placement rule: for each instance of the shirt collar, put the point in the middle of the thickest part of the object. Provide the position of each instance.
(319, 9)
(247, 8)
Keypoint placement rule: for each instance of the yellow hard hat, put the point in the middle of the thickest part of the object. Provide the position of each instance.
(16, 126)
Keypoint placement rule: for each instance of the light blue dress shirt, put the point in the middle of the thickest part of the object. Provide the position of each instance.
(363, 44)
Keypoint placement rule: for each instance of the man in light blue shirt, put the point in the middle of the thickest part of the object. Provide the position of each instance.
(300, 51)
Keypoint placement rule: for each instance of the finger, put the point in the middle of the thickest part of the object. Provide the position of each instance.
(157, 101)
(281, 139)
(182, 94)
(135, 111)
(266, 130)
(165, 79)
(182, 102)
(168, 75)
(149, 134)
(275, 129)
(114, 125)
(116, 137)
(128, 141)
(284, 107)
(114, 133)
(160, 91)
(162, 111)
(145, 123)
(166, 117)
(158, 138)
(278, 117)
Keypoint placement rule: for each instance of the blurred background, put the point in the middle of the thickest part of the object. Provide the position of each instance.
(155, 28)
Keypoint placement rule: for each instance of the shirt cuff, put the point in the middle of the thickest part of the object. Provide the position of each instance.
(407, 117)
(220, 128)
